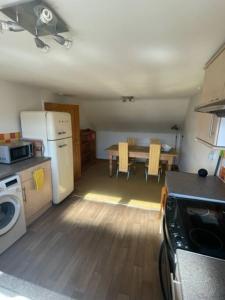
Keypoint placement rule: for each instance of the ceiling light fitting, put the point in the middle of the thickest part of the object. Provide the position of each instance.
(38, 19)
(10, 26)
(63, 41)
(128, 99)
(41, 45)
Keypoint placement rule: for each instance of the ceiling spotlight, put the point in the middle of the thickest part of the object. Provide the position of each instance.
(41, 45)
(127, 98)
(62, 41)
(10, 26)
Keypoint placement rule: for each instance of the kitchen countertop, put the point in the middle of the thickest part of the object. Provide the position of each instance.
(13, 288)
(201, 277)
(190, 185)
(8, 170)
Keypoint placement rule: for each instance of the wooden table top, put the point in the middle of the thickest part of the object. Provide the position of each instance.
(140, 149)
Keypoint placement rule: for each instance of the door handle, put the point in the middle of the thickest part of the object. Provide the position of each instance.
(24, 194)
(61, 146)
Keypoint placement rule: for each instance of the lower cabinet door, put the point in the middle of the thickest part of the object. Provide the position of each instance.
(35, 202)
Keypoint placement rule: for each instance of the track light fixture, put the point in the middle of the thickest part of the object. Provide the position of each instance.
(127, 99)
(41, 45)
(37, 18)
(10, 26)
(62, 41)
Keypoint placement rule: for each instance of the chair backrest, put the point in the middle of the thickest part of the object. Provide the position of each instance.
(131, 141)
(123, 157)
(154, 157)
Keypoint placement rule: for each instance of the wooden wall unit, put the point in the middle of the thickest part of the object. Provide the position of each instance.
(88, 147)
(75, 118)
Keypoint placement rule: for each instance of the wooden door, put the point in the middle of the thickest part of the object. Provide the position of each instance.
(75, 119)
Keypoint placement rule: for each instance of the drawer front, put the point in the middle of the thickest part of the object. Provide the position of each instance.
(28, 173)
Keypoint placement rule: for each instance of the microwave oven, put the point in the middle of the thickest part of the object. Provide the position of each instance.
(15, 151)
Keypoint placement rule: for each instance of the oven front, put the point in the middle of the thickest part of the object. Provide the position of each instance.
(192, 225)
(196, 225)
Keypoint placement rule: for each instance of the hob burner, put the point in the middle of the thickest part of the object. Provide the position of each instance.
(198, 211)
(205, 239)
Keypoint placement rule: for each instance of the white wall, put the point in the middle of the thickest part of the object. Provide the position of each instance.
(108, 138)
(15, 97)
(195, 155)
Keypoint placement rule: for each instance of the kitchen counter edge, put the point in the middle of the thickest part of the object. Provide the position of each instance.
(12, 169)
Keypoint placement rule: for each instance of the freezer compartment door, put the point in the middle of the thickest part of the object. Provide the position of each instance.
(58, 125)
(33, 125)
(61, 152)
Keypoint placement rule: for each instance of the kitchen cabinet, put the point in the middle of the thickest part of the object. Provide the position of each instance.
(36, 202)
(75, 119)
(214, 81)
(210, 128)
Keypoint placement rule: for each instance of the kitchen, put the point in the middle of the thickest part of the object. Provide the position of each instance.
(75, 222)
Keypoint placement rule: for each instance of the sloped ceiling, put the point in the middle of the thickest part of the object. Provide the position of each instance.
(140, 116)
(144, 48)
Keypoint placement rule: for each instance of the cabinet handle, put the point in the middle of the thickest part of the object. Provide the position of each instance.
(24, 194)
(211, 126)
(216, 99)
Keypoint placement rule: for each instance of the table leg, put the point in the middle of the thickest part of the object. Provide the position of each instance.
(170, 163)
(110, 164)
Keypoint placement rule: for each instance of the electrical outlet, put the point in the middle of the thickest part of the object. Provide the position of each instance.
(211, 155)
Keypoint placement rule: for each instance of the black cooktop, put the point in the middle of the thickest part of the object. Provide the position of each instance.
(197, 226)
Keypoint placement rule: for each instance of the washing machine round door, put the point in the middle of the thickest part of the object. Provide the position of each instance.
(9, 212)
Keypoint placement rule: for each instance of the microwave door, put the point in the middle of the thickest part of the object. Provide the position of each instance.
(19, 153)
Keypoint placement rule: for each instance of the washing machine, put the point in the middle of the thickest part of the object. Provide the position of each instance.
(12, 218)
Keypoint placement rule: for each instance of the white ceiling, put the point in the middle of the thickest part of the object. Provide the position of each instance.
(144, 48)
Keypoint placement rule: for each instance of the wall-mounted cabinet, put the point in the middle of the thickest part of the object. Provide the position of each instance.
(211, 129)
(214, 81)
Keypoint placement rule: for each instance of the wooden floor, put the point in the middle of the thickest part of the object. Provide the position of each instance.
(90, 251)
(96, 181)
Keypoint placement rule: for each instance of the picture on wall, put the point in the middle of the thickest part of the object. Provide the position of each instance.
(222, 166)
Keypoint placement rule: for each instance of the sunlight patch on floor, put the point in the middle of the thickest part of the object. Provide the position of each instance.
(144, 204)
(137, 203)
(102, 198)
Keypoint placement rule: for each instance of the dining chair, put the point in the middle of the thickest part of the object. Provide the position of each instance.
(123, 164)
(153, 165)
(131, 141)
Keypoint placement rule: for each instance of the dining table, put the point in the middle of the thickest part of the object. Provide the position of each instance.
(140, 152)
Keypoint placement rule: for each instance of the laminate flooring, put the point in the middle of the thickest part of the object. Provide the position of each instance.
(89, 250)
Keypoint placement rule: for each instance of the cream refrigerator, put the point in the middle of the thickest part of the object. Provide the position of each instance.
(54, 129)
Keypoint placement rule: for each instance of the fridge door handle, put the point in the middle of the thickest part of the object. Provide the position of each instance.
(63, 145)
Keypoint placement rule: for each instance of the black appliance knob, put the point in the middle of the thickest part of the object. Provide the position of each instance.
(179, 241)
